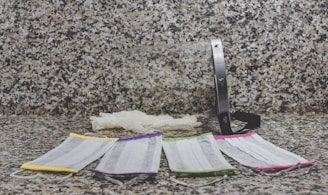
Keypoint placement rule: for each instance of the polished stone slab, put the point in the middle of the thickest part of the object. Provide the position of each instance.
(83, 57)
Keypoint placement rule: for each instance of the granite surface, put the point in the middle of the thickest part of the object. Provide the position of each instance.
(82, 57)
(62, 61)
(25, 138)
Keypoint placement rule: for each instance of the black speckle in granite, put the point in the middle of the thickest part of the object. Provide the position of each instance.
(57, 57)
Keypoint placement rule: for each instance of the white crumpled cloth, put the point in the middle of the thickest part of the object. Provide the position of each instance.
(140, 122)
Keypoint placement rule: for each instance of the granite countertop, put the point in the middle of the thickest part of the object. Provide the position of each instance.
(29, 136)
(67, 57)
(78, 58)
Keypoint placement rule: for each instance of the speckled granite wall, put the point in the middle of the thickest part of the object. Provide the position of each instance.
(67, 57)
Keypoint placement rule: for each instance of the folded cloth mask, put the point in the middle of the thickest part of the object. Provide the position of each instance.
(252, 150)
(196, 154)
(72, 155)
(135, 155)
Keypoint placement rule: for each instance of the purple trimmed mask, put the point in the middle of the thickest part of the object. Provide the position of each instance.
(136, 155)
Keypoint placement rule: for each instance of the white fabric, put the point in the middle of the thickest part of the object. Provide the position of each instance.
(253, 151)
(72, 155)
(137, 155)
(198, 154)
(140, 122)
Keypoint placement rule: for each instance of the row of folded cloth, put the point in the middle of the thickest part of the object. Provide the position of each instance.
(141, 154)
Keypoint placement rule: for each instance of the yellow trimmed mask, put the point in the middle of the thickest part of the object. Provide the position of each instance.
(72, 155)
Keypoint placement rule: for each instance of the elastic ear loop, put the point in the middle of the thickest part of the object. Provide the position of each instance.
(117, 182)
(14, 174)
(197, 185)
(114, 181)
(65, 177)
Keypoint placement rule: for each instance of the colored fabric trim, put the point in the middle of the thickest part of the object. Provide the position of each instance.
(141, 136)
(130, 173)
(91, 137)
(305, 164)
(47, 168)
(205, 171)
(234, 136)
(186, 138)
